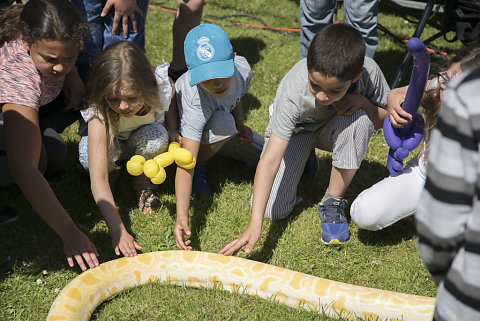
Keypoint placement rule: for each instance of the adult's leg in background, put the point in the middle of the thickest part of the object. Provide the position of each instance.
(363, 15)
(314, 15)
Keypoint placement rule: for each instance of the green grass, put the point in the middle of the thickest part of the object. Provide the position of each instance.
(386, 259)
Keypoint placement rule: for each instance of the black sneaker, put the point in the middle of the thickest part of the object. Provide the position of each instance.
(7, 215)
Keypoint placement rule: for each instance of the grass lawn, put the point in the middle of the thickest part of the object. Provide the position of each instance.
(387, 259)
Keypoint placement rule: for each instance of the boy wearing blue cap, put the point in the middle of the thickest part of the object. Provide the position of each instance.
(331, 100)
(209, 101)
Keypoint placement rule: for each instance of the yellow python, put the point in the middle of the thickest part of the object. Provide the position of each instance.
(80, 297)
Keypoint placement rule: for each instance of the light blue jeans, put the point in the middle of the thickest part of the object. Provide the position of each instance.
(100, 34)
(361, 14)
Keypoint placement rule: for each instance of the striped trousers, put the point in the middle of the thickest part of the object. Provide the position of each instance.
(346, 137)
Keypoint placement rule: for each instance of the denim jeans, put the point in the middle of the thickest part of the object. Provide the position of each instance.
(361, 14)
(100, 34)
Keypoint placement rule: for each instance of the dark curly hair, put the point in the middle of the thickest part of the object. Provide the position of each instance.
(41, 19)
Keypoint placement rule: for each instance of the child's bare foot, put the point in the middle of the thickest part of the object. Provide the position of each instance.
(148, 202)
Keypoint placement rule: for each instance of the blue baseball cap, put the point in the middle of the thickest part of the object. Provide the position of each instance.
(208, 53)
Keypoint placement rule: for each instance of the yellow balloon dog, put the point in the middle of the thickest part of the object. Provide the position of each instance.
(155, 168)
(82, 295)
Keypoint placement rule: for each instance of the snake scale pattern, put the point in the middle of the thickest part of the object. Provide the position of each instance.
(82, 295)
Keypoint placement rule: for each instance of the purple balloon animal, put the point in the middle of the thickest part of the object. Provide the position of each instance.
(403, 140)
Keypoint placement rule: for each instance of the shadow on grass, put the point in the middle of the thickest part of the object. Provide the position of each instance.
(249, 48)
(394, 234)
(368, 174)
(220, 171)
(201, 206)
(250, 102)
(274, 234)
(31, 240)
(310, 190)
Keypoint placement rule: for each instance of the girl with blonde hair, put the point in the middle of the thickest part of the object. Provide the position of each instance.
(127, 100)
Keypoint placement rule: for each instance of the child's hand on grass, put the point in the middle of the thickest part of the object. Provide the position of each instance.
(76, 245)
(249, 238)
(246, 135)
(123, 242)
(181, 232)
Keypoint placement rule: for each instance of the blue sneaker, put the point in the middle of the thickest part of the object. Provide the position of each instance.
(200, 186)
(334, 225)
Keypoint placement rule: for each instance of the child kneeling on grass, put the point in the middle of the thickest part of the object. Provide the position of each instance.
(127, 100)
(39, 85)
(209, 99)
(331, 100)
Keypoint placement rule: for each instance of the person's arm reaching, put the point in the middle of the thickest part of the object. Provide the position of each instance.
(245, 132)
(122, 241)
(23, 142)
(265, 175)
(183, 190)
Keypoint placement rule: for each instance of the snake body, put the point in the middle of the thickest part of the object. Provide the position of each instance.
(82, 295)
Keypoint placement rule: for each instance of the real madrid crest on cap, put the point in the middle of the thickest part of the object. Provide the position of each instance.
(205, 50)
(208, 53)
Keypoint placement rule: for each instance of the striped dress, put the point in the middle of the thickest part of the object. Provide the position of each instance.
(448, 217)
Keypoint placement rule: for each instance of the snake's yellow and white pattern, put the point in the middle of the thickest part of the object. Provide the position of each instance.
(80, 297)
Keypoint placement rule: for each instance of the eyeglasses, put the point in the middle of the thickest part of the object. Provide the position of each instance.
(443, 78)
